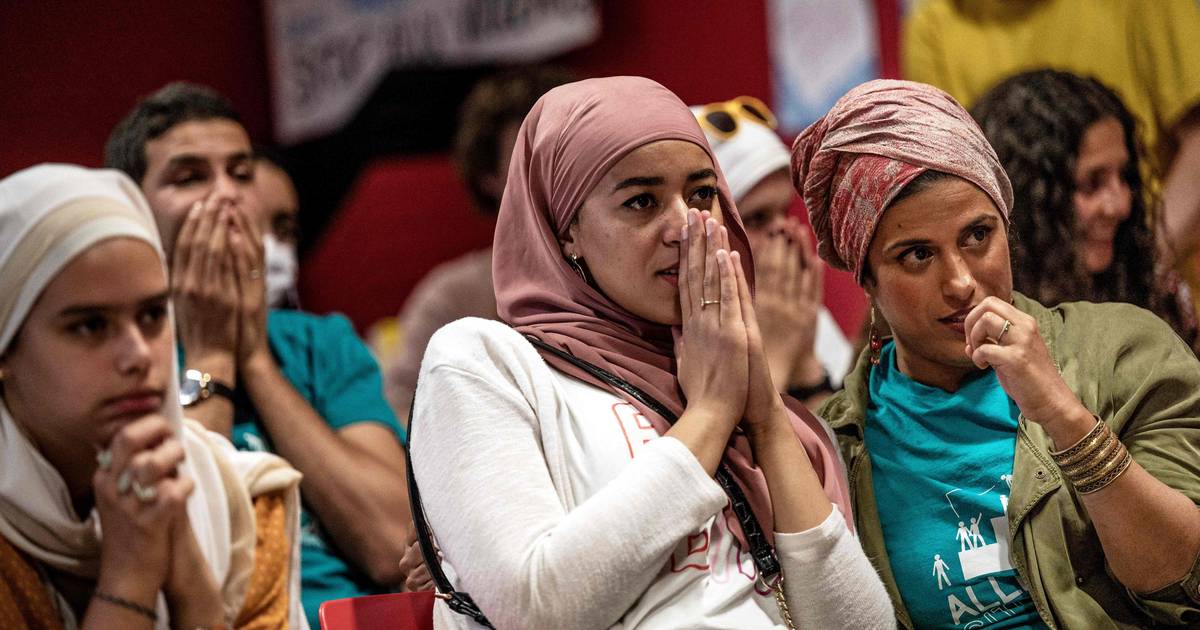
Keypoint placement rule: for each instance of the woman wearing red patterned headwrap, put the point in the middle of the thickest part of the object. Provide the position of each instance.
(560, 496)
(1011, 465)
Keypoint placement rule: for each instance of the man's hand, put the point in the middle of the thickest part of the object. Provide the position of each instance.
(246, 248)
(788, 298)
(412, 565)
(204, 289)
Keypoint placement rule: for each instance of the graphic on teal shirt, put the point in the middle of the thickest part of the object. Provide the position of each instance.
(328, 365)
(941, 466)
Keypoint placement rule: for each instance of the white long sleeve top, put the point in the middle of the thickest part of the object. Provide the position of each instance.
(557, 505)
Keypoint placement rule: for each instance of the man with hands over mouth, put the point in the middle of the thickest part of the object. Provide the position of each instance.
(288, 382)
(808, 355)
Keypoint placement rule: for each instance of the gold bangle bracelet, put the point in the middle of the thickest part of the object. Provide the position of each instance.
(1083, 447)
(1096, 459)
(1103, 482)
(1100, 472)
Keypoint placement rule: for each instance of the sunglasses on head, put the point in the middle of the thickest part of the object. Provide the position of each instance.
(721, 119)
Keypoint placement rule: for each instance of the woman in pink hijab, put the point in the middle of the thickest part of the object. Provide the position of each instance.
(615, 454)
(1014, 465)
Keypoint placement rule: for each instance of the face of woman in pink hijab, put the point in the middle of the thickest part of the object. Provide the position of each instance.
(627, 231)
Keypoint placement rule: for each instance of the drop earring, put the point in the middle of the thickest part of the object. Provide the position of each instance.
(577, 265)
(876, 342)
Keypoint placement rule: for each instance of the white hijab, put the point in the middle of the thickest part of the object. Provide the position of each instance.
(49, 214)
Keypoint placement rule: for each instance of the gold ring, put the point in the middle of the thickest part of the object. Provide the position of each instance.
(704, 303)
(1003, 331)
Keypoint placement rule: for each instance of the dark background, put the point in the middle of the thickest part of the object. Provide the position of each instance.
(70, 70)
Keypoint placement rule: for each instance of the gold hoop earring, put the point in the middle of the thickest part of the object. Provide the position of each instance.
(576, 264)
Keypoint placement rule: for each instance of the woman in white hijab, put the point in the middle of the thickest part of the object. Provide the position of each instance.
(114, 511)
(808, 354)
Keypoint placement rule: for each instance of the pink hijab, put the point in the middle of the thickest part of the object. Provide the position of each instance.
(850, 164)
(568, 142)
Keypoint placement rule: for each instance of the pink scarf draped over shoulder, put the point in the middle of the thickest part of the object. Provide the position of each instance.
(567, 143)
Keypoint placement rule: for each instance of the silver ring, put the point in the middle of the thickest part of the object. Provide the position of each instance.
(104, 459)
(1003, 331)
(255, 274)
(123, 482)
(704, 303)
(145, 495)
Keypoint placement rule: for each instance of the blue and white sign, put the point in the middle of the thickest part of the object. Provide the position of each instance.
(819, 50)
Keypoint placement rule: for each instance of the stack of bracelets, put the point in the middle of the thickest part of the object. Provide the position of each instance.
(1094, 461)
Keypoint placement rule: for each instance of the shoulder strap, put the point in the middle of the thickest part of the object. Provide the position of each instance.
(761, 550)
(763, 553)
(458, 601)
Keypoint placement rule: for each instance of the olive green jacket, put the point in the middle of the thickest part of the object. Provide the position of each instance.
(1132, 371)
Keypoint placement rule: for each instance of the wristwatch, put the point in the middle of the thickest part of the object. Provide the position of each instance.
(198, 386)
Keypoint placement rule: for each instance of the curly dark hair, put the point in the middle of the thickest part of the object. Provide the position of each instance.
(1036, 122)
(493, 104)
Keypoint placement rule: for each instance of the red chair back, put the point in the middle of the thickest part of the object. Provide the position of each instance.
(398, 611)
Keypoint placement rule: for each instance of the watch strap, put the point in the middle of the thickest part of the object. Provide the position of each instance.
(217, 388)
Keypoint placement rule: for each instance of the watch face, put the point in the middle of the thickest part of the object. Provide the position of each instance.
(190, 389)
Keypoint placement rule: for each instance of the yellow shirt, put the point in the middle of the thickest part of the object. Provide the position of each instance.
(1148, 51)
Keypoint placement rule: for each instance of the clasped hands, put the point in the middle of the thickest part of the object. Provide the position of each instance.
(218, 285)
(719, 351)
(789, 293)
(148, 544)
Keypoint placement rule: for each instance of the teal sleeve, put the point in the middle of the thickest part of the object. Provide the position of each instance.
(348, 386)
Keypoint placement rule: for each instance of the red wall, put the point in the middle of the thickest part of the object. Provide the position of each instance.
(69, 71)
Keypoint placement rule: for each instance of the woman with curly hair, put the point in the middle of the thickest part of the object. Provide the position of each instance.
(1068, 145)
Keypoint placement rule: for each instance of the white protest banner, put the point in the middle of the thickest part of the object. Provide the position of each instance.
(327, 56)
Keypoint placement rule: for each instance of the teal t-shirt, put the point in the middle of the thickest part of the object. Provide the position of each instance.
(324, 359)
(941, 464)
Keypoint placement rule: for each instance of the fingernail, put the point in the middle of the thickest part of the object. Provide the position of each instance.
(709, 225)
(683, 233)
(123, 482)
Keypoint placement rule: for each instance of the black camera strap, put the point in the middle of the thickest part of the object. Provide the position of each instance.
(760, 549)
(458, 601)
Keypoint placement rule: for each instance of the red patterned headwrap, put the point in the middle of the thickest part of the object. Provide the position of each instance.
(850, 164)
